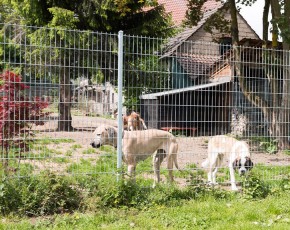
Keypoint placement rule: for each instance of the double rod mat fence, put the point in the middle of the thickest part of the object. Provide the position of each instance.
(74, 81)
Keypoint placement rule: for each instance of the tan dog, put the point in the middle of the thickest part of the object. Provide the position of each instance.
(134, 122)
(139, 145)
(237, 152)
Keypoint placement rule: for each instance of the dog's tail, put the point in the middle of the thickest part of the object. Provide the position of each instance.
(205, 163)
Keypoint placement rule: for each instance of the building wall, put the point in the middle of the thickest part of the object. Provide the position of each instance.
(201, 35)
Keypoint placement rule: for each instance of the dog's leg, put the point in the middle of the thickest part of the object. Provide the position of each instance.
(172, 159)
(131, 171)
(158, 157)
(131, 161)
(214, 172)
(170, 167)
(232, 177)
(210, 174)
(218, 164)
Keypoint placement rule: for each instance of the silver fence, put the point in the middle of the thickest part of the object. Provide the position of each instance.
(193, 90)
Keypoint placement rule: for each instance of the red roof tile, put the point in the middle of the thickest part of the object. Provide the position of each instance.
(178, 8)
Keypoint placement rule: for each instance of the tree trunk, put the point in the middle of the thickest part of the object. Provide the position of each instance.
(285, 115)
(65, 119)
(284, 105)
(266, 21)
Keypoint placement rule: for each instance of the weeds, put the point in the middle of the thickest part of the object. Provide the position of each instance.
(42, 195)
(268, 144)
(254, 188)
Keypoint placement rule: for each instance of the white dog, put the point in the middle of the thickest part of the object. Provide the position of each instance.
(237, 152)
(139, 145)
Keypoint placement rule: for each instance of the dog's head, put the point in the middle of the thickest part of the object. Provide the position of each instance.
(104, 135)
(243, 165)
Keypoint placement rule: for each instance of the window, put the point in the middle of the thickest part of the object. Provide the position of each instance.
(225, 44)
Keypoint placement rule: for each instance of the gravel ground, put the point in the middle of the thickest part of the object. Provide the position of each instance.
(192, 150)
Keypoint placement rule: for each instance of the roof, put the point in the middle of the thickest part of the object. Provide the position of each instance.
(210, 7)
(197, 65)
(178, 8)
(188, 89)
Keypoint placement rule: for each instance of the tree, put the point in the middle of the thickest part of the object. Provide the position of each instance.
(134, 17)
(276, 111)
(18, 113)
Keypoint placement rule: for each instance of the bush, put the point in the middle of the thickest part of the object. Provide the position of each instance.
(45, 194)
(10, 199)
(18, 112)
(130, 194)
(124, 193)
(254, 188)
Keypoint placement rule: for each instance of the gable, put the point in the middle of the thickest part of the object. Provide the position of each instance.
(198, 32)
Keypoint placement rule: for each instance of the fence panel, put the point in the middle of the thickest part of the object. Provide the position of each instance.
(194, 90)
(75, 74)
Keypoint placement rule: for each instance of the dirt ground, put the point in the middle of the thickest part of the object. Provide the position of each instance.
(192, 150)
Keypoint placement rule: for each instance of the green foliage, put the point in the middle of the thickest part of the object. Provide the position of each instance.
(287, 151)
(124, 193)
(9, 196)
(270, 146)
(194, 13)
(254, 188)
(62, 18)
(128, 193)
(105, 16)
(285, 183)
(49, 194)
(217, 21)
(41, 195)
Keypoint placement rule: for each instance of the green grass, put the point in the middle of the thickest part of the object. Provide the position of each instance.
(287, 152)
(62, 160)
(89, 151)
(270, 213)
(42, 154)
(48, 140)
(76, 146)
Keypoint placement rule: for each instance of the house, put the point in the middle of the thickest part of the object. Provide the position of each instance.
(95, 99)
(201, 74)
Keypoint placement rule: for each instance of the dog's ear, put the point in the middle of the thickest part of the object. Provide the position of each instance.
(249, 164)
(236, 163)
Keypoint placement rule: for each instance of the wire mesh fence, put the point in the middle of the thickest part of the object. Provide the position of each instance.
(193, 90)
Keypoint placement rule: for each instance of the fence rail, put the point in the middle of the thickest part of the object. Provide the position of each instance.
(195, 86)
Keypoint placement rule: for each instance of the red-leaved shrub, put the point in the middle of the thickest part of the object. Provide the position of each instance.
(18, 113)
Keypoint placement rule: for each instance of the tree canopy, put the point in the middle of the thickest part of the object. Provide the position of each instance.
(144, 17)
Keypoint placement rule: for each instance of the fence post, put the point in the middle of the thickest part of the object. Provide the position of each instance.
(120, 104)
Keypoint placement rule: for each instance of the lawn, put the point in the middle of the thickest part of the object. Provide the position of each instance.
(231, 213)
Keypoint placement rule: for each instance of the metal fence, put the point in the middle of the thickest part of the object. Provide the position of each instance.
(194, 90)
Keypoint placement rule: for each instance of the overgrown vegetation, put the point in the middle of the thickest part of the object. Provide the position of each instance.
(75, 201)
(268, 144)
(47, 193)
